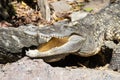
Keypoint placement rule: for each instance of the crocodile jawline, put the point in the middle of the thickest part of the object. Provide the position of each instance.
(50, 48)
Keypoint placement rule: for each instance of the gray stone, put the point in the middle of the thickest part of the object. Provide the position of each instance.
(14, 39)
(60, 6)
(110, 44)
(78, 15)
(115, 61)
(26, 69)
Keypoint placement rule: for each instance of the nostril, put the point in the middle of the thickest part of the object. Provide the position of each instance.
(116, 41)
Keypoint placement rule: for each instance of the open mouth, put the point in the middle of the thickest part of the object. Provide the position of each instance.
(52, 43)
(58, 46)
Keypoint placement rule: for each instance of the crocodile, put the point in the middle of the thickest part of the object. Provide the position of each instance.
(84, 37)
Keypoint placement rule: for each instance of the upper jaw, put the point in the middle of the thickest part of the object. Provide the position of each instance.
(58, 31)
(46, 34)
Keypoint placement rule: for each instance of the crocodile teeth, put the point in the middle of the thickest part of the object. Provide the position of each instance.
(60, 37)
(45, 37)
(53, 35)
(48, 39)
(56, 36)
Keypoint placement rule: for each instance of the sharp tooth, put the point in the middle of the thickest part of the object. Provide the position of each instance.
(56, 36)
(48, 39)
(53, 35)
(60, 37)
(45, 38)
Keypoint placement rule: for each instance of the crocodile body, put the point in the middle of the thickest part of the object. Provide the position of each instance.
(85, 37)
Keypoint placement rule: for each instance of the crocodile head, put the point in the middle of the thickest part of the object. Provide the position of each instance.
(61, 40)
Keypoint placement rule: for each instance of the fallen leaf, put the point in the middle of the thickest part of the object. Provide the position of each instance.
(88, 9)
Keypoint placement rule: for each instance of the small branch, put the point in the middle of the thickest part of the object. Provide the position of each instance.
(44, 8)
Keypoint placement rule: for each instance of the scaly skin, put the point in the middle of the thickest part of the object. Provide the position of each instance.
(85, 37)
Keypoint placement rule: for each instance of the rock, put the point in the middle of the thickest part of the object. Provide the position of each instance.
(115, 61)
(78, 15)
(27, 69)
(60, 6)
(14, 39)
(110, 44)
